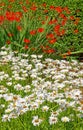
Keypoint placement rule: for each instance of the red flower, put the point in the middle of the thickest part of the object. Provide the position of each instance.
(11, 0)
(43, 22)
(52, 21)
(33, 32)
(72, 17)
(44, 4)
(69, 52)
(19, 28)
(50, 35)
(62, 32)
(13, 16)
(2, 19)
(18, 16)
(64, 56)
(52, 7)
(47, 17)
(52, 41)
(10, 34)
(61, 15)
(59, 9)
(9, 6)
(34, 8)
(26, 47)
(76, 21)
(67, 10)
(45, 11)
(10, 16)
(27, 1)
(47, 49)
(33, 48)
(50, 51)
(20, 2)
(76, 31)
(40, 30)
(26, 40)
(77, 11)
(2, 4)
(63, 22)
(25, 9)
(57, 28)
(8, 42)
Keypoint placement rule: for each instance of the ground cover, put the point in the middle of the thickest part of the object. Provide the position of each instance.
(40, 93)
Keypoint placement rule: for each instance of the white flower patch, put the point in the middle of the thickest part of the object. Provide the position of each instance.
(46, 85)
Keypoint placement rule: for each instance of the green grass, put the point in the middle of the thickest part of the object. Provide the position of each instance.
(65, 43)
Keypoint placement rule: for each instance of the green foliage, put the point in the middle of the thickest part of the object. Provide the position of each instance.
(32, 19)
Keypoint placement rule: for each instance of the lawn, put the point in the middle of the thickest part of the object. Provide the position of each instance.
(41, 78)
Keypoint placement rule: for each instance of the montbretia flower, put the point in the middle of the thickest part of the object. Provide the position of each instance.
(50, 36)
(57, 28)
(25, 9)
(76, 31)
(40, 30)
(52, 7)
(54, 21)
(44, 4)
(49, 51)
(33, 32)
(8, 42)
(52, 41)
(13, 16)
(63, 22)
(19, 28)
(59, 9)
(26, 47)
(66, 9)
(33, 8)
(62, 32)
(2, 18)
(11, 1)
(26, 40)
(72, 17)
(10, 34)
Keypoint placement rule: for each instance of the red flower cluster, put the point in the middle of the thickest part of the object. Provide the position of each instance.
(51, 38)
(40, 30)
(26, 47)
(50, 35)
(33, 32)
(19, 28)
(2, 18)
(11, 0)
(47, 49)
(59, 9)
(54, 21)
(8, 42)
(52, 41)
(33, 8)
(13, 16)
(26, 40)
(24, 9)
